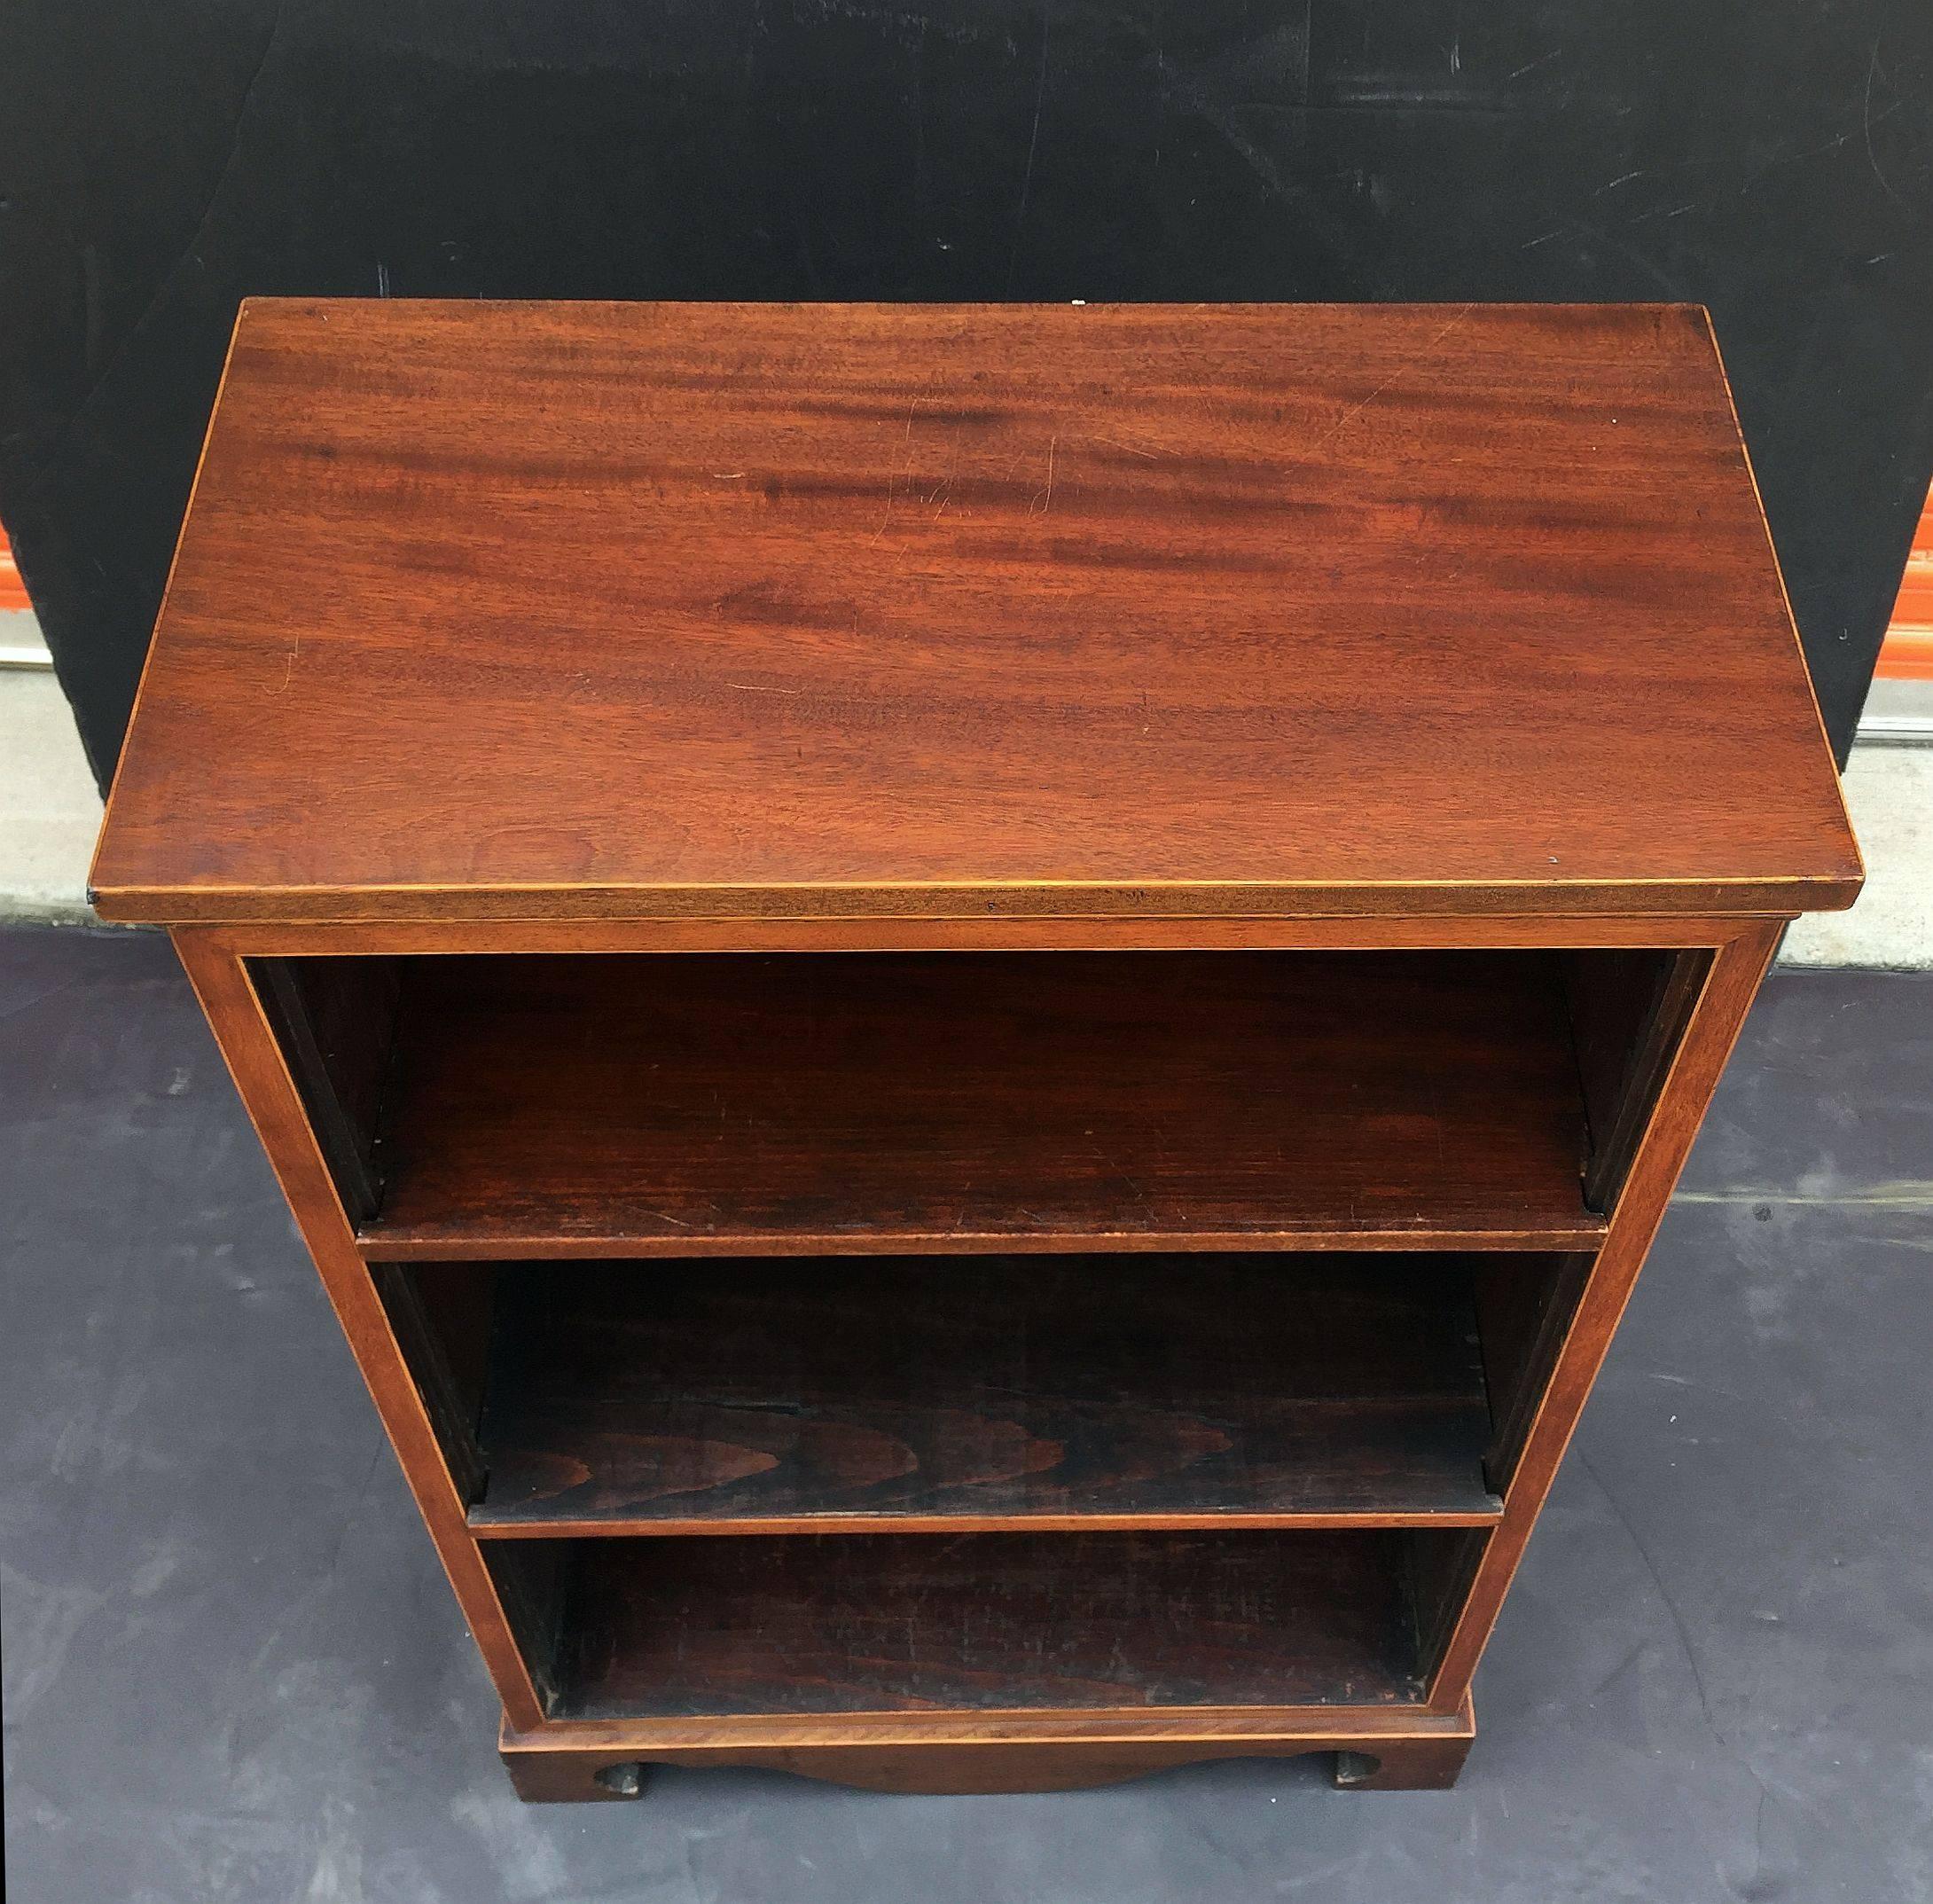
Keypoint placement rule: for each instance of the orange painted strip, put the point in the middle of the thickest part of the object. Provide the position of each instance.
(12, 590)
(1908, 655)
(1908, 652)
(1915, 606)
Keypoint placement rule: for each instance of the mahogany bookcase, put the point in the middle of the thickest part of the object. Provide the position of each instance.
(978, 1012)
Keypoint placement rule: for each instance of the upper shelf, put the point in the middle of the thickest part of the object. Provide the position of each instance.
(564, 611)
(669, 1105)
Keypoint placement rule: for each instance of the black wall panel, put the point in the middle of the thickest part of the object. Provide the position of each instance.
(161, 159)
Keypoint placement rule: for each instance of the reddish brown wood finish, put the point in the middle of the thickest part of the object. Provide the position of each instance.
(943, 610)
(975, 1394)
(1220, 635)
(581, 1107)
(838, 1623)
(1427, 931)
(558, 1756)
(1377, 1749)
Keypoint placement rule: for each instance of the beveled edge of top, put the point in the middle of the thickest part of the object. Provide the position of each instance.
(1448, 900)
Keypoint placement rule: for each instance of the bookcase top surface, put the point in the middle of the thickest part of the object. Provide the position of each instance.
(502, 611)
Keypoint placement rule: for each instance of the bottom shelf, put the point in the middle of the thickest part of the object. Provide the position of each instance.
(798, 1626)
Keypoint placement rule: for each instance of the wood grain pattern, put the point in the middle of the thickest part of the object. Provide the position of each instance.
(941, 610)
(684, 1106)
(1021, 740)
(959, 1395)
(1387, 1747)
(1422, 932)
(844, 1623)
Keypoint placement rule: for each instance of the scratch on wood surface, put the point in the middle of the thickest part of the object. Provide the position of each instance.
(892, 475)
(288, 673)
(1356, 409)
(747, 687)
(1044, 498)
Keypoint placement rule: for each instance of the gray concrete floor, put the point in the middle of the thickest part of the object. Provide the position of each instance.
(233, 1670)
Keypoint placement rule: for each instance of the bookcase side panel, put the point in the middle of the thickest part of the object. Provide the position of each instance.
(1714, 1022)
(243, 1032)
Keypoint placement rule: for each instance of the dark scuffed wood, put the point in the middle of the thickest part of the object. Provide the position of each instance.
(440, 1315)
(335, 1021)
(531, 1580)
(1524, 1308)
(852, 1624)
(1407, 1764)
(960, 1101)
(947, 1393)
(1628, 1012)
(1441, 1571)
(581, 611)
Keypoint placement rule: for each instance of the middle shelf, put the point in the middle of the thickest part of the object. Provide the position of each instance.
(957, 1395)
